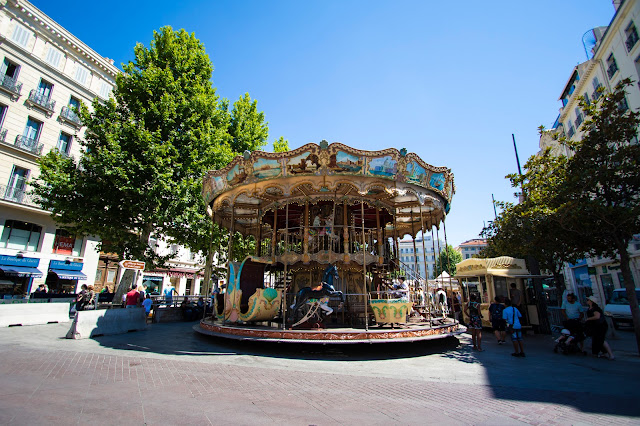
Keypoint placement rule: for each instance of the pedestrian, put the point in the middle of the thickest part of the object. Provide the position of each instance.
(456, 306)
(147, 304)
(133, 298)
(168, 295)
(597, 328)
(572, 311)
(515, 295)
(497, 322)
(472, 309)
(80, 299)
(512, 316)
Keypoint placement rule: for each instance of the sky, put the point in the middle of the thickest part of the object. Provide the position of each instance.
(448, 80)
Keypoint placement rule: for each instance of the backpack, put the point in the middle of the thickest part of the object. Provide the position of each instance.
(496, 312)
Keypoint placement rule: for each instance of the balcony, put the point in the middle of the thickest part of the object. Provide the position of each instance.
(69, 116)
(42, 102)
(17, 195)
(30, 145)
(611, 70)
(3, 135)
(11, 86)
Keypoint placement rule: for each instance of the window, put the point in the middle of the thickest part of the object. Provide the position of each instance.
(596, 88)
(623, 105)
(81, 74)
(74, 104)
(44, 89)
(572, 130)
(579, 117)
(9, 69)
(612, 66)
(3, 113)
(632, 36)
(586, 98)
(20, 235)
(105, 89)
(17, 184)
(53, 56)
(21, 35)
(66, 243)
(32, 130)
(64, 142)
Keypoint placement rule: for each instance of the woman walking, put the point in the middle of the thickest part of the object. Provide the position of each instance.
(597, 328)
(472, 309)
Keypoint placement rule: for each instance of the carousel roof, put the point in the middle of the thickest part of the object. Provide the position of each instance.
(410, 190)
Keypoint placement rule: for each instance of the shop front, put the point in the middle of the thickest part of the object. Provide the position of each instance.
(63, 276)
(491, 278)
(16, 275)
(152, 284)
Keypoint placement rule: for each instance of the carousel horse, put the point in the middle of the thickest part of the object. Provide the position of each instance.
(321, 294)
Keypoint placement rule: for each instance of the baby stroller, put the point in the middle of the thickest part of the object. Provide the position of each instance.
(570, 338)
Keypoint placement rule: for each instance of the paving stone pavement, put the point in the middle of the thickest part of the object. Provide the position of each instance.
(170, 375)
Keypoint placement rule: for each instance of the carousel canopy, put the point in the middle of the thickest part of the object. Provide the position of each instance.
(407, 192)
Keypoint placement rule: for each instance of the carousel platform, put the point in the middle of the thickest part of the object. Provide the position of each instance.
(410, 332)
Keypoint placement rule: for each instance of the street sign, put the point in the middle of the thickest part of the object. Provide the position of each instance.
(132, 264)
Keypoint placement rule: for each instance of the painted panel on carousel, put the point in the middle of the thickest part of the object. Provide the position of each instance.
(305, 163)
(342, 162)
(416, 174)
(236, 175)
(382, 166)
(437, 181)
(265, 168)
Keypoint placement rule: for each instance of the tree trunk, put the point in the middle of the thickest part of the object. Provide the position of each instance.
(558, 279)
(631, 291)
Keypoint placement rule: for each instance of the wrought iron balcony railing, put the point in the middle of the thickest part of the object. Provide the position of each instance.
(70, 116)
(17, 195)
(28, 144)
(38, 99)
(3, 135)
(11, 84)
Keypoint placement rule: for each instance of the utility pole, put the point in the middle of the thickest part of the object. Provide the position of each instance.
(494, 200)
(534, 268)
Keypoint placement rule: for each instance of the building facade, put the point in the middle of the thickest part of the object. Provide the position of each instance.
(613, 54)
(45, 73)
(415, 256)
(471, 248)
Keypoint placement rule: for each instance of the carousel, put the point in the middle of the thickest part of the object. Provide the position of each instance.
(326, 220)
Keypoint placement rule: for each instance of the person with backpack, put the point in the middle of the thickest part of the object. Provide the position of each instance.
(497, 322)
(512, 316)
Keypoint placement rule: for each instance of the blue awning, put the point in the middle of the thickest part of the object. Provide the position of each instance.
(67, 274)
(21, 271)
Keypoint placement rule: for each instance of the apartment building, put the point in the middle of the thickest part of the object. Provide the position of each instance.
(471, 248)
(415, 256)
(613, 54)
(45, 72)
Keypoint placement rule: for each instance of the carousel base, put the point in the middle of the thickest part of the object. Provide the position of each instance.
(411, 332)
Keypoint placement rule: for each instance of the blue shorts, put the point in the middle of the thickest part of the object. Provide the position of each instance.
(516, 336)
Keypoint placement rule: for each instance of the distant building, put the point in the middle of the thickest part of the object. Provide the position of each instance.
(613, 54)
(470, 248)
(414, 260)
(45, 72)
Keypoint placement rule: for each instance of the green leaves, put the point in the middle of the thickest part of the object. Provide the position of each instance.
(147, 149)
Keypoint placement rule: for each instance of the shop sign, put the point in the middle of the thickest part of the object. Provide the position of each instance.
(19, 261)
(63, 245)
(64, 264)
(132, 264)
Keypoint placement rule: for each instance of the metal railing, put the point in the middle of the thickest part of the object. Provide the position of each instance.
(41, 100)
(70, 115)
(28, 144)
(3, 135)
(11, 84)
(17, 195)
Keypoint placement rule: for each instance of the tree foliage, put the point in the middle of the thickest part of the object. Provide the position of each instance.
(281, 145)
(583, 204)
(447, 260)
(146, 150)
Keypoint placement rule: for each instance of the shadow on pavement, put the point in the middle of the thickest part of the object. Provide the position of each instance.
(180, 339)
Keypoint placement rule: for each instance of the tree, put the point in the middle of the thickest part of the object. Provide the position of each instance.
(447, 260)
(281, 145)
(247, 127)
(586, 203)
(601, 201)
